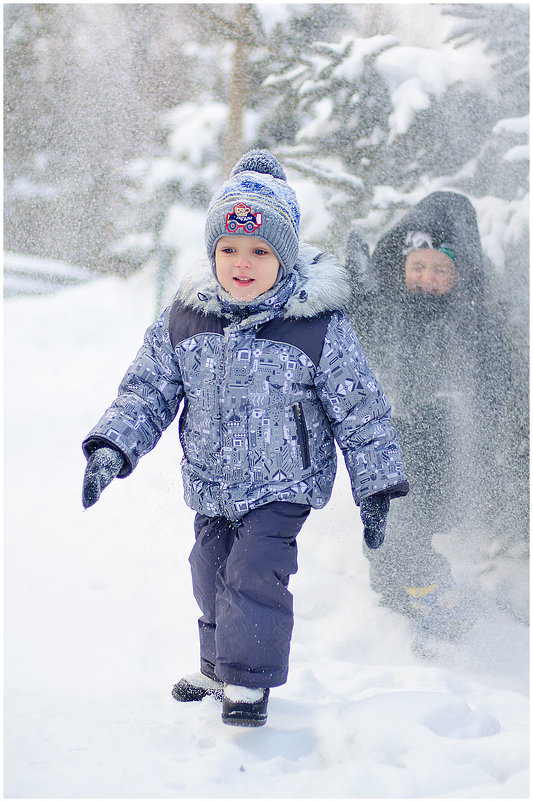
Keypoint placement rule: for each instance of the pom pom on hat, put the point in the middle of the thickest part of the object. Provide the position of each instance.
(260, 161)
(256, 201)
(416, 239)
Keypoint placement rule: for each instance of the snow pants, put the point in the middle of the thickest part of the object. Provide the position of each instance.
(240, 574)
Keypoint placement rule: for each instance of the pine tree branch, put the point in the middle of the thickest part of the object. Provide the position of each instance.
(348, 182)
(226, 27)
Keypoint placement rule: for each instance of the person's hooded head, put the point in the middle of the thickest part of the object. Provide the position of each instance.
(434, 251)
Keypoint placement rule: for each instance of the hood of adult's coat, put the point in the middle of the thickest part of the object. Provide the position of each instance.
(318, 284)
(448, 217)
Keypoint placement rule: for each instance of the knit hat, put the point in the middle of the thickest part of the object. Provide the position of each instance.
(420, 239)
(256, 201)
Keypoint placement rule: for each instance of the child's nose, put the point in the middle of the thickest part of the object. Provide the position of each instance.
(242, 260)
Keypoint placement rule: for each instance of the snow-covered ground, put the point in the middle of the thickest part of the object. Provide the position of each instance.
(100, 620)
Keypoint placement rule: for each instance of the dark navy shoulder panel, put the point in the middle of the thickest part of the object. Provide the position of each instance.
(307, 334)
(185, 322)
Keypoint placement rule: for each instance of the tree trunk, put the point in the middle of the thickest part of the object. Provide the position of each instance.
(239, 94)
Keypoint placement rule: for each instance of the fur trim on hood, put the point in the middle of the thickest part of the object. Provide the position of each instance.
(322, 285)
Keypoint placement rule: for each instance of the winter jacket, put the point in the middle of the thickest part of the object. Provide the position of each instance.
(268, 388)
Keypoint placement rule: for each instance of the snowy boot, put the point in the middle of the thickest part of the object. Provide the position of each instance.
(194, 687)
(244, 707)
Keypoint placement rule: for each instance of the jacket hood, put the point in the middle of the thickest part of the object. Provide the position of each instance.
(448, 217)
(317, 285)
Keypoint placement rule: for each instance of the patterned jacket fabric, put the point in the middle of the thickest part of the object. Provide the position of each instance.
(267, 389)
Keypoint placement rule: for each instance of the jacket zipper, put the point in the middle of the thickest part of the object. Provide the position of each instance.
(181, 430)
(302, 433)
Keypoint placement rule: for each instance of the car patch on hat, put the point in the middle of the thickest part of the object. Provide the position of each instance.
(243, 217)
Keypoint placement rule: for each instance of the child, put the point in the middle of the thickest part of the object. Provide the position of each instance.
(440, 350)
(270, 372)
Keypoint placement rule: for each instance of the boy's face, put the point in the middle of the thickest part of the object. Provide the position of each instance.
(245, 266)
(429, 271)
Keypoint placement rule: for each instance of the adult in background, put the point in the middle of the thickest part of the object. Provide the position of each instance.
(424, 319)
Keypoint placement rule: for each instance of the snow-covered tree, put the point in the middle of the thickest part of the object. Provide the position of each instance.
(498, 176)
(379, 124)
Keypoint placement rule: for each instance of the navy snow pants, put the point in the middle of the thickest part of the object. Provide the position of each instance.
(240, 574)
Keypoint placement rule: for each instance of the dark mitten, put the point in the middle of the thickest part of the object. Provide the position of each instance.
(374, 511)
(102, 467)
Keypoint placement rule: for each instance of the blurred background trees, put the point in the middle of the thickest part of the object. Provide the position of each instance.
(119, 116)
(84, 89)
(121, 119)
(91, 91)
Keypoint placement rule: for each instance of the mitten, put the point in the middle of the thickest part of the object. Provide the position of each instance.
(102, 467)
(374, 511)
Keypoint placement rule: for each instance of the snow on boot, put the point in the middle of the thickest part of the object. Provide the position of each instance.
(439, 612)
(244, 707)
(194, 687)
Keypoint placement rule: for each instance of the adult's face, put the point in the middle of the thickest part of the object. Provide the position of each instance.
(429, 271)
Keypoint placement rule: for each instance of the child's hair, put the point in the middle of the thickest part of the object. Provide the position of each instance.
(256, 201)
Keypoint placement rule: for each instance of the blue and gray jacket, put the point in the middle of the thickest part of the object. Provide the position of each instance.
(268, 388)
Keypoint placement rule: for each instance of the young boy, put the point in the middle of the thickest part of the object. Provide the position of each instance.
(271, 374)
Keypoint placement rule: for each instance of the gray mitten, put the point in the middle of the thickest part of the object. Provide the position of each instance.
(374, 510)
(102, 467)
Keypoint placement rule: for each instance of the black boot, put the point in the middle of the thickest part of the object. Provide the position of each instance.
(195, 687)
(245, 707)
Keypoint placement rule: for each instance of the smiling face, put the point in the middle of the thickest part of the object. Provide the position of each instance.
(430, 271)
(245, 266)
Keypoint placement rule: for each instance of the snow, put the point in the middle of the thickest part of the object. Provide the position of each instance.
(192, 131)
(513, 125)
(319, 123)
(138, 242)
(284, 77)
(181, 224)
(437, 69)
(100, 620)
(25, 274)
(501, 222)
(194, 126)
(517, 154)
(407, 99)
(360, 50)
(414, 74)
(272, 14)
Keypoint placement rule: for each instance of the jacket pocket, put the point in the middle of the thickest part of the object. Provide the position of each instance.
(302, 433)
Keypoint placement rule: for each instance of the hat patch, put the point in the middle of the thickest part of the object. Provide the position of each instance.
(243, 217)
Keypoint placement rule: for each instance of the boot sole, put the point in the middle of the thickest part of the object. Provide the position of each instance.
(239, 721)
(189, 693)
